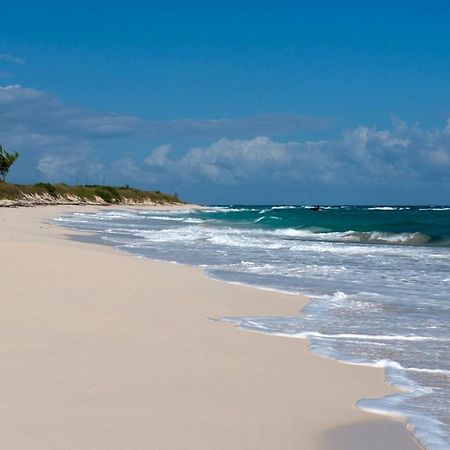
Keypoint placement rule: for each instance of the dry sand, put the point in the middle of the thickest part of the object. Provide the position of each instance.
(105, 351)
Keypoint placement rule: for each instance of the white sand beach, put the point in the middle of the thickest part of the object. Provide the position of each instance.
(106, 351)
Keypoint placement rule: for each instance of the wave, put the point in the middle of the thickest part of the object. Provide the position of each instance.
(435, 209)
(242, 241)
(226, 209)
(389, 364)
(166, 218)
(69, 220)
(432, 371)
(323, 207)
(266, 217)
(284, 207)
(376, 237)
(192, 220)
(372, 337)
(274, 208)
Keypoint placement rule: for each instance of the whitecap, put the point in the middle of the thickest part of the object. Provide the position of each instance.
(283, 207)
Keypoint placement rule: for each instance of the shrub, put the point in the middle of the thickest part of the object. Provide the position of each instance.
(48, 187)
(105, 195)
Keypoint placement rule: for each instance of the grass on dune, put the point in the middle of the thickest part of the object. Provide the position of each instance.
(89, 193)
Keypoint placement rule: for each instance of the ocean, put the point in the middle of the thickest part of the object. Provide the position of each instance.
(378, 277)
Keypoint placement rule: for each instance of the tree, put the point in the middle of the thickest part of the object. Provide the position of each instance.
(6, 161)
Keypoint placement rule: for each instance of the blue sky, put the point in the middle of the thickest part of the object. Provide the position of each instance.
(231, 102)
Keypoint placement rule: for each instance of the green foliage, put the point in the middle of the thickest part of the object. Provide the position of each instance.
(6, 161)
(48, 187)
(106, 195)
(9, 191)
(86, 193)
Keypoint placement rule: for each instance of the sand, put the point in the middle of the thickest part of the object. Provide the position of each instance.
(103, 351)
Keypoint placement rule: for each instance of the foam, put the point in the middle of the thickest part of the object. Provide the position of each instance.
(374, 337)
(167, 218)
(434, 209)
(283, 207)
(191, 220)
(356, 236)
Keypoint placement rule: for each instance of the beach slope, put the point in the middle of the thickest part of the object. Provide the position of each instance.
(105, 351)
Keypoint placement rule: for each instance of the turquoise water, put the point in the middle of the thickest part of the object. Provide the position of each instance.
(379, 278)
(419, 225)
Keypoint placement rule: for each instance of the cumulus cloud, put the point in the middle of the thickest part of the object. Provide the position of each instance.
(81, 161)
(364, 155)
(54, 166)
(159, 156)
(233, 161)
(63, 136)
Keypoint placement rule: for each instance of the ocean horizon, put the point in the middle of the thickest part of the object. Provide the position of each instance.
(378, 278)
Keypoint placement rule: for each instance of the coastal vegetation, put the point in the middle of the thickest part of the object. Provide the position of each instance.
(6, 161)
(60, 193)
(92, 193)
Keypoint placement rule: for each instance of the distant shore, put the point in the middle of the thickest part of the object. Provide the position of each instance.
(106, 351)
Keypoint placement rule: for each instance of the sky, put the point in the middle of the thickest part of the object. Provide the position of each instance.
(226, 102)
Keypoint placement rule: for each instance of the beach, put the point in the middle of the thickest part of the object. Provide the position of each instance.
(103, 350)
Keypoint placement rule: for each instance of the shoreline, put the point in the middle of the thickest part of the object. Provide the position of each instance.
(369, 427)
(203, 350)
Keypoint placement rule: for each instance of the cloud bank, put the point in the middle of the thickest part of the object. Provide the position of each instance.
(27, 112)
(63, 137)
(243, 151)
(364, 155)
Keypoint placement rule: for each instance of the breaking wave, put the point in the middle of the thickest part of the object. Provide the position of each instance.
(374, 237)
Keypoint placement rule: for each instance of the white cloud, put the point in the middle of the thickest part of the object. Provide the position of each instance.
(439, 157)
(159, 156)
(363, 155)
(35, 121)
(6, 57)
(233, 161)
(57, 167)
(63, 139)
(126, 167)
